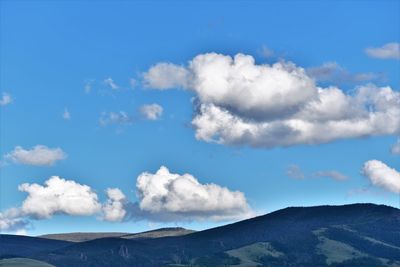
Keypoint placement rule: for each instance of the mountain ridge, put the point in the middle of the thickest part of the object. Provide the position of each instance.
(359, 232)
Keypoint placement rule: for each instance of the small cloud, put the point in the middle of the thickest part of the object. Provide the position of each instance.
(5, 99)
(13, 221)
(331, 174)
(365, 191)
(120, 118)
(382, 175)
(88, 85)
(294, 171)
(266, 52)
(110, 82)
(39, 155)
(395, 149)
(387, 51)
(151, 112)
(66, 115)
(333, 72)
(114, 208)
(166, 75)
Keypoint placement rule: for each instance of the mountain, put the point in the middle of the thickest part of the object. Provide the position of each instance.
(81, 237)
(25, 246)
(162, 232)
(350, 235)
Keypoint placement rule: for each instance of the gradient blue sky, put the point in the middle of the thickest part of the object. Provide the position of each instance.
(49, 50)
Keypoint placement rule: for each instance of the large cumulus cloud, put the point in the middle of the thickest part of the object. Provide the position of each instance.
(166, 196)
(56, 196)
(162, 196)
(243, 103)
(59, 196)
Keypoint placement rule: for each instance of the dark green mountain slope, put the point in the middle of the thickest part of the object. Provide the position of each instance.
(350, 235)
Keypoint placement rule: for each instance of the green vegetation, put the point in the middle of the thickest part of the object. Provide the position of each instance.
(335, 251)
(250, 255)
(23, 262)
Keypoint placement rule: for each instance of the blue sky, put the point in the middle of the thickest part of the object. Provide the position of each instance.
(51, 50)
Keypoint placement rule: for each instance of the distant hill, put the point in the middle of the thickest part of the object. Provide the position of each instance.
(162, 232)
(22, 262)
(81, 237)
(349, 235)
(25, 246)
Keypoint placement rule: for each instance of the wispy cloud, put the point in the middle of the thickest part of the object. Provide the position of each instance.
(5, 99)
(294, 171)
(395, 149)
(266, 52)
(66, 115)
(331, 174)
(387, 51)
(39, 155)
(333, 72)
(88, 84)
(110, 82)
(120, 117)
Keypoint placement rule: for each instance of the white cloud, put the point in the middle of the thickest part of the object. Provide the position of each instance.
(333, 72)
(5, 99)
(170, 196)
(162, 196)
(58, 196)
(151, 112)
(387, 51)
(120, 117)
(39, 155)
(88, 85)
(114, 208)
(331, 174)
(110, 82)
(242, 103)
(12, 220)
(66, 115)
(382, 175)
(294, 171)
(395, 149)
(166, 75)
